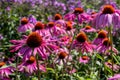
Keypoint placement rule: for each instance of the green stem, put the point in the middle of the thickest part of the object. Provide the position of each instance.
(38, 73)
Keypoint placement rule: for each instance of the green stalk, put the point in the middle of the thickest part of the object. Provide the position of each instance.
(38, 73)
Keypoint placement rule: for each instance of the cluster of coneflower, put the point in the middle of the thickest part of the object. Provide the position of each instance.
(59, 37)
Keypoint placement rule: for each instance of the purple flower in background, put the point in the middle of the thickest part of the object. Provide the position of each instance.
(1, 37)
(32, 19)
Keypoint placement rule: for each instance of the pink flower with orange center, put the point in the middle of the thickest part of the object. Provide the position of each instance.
(5, 71)
(84, 59)
(102, 34)
(105, 47)
(25, 25)
(31, 45)
(81, 43)
(30, 66)
(88, 29)
(78, 14)
(107, 17)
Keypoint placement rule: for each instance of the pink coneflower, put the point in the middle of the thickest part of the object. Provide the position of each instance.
(40, 28)
(105, 47)
(62, 56)
(78, 14)
(107, 17)
(84, 59)
(55, 30)
(81, 43)
(115, 66)
(25, 25)
(30, 66)
(32, 44)
(5, 71)
(115, 77)
(69, 28)
(88, 29)
(102, 34)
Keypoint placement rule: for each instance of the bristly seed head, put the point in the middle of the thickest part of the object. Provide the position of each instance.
(39, 25)
(108, 9)
(69, 26)
(102, 34)
(2, 64)
(78, 10)
(51, 24)
(34, 40)
(81, 37)
(85, 57)
(88, 27)
(31, 60)
(24, 21)
(57, 17)
(106, 42)
(62, 55)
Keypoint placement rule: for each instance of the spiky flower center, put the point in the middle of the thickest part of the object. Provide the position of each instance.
(62, 55)
(34, 40)
(102, 34)
(85, 57)
(39, 25)
(24, 21)
(69, 26)
(2, 64)
(106, 42)
(31, 60)
(51, 24)
(57, 17)
(78, 10)
(81, 37)
(87, 27)
(108, 9)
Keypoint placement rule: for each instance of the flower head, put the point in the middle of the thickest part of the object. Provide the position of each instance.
(81, 37)
(39, 25)
(34, 40)
(57, 17)
(84, 59)
(108, 9)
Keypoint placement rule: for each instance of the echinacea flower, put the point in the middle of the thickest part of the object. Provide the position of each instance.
(107, 17)
(62, 56)
(81, 43)
(5, 71)
(105, 47)
(25, 25)
(102, 34)
(88, 29)
(40, 28)
(78, 14)
(84, 59)
(31, 45)
(55, 30)
(30, 66)
(115, 77)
